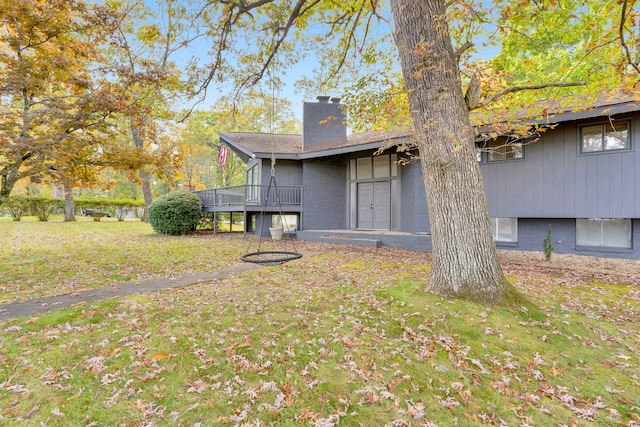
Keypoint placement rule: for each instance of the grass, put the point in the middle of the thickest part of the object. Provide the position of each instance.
(49, 258)
(342, 337)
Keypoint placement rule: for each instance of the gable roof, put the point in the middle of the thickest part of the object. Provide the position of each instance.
(253, 144)
(249, 145)
(286, 146)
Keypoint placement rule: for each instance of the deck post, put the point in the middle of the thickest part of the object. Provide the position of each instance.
(300, 202)
(215, 222)
(244, 221)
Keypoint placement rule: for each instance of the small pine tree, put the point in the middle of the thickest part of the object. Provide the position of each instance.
(547, 245)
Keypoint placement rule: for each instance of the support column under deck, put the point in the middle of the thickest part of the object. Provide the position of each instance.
(244, 222)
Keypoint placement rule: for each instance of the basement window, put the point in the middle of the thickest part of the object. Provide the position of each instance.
(603, 232)
(505, 229)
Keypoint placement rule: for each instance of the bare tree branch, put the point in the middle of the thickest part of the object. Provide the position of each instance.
(462, 49)
(296, 13)
(623, 19)
(351, 39)
(504, 92)
(232, 17)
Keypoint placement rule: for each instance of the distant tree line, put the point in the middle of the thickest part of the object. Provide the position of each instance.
(43, 207)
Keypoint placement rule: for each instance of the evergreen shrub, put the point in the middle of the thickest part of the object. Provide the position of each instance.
(175, 213)
(547, 244)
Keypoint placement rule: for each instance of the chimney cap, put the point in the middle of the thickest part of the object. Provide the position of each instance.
(335, 100)
(323, 99)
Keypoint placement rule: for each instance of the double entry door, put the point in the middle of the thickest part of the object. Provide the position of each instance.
(374, 205)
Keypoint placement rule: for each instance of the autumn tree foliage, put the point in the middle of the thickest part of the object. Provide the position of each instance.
(144, 44)
(60, 100)
(46, 90)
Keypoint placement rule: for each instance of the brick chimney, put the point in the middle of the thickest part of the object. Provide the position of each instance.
(323, 121)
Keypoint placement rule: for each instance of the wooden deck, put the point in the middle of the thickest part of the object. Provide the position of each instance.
(252, 198)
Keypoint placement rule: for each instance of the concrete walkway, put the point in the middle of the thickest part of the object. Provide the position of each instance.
(44, 304)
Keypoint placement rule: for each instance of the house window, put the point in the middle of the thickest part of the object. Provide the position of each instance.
(501, 149)
(378, 166)
(505, 229)
(605, 137)
(603, 232)
(364, 168)
(253, 178)
(381, 166)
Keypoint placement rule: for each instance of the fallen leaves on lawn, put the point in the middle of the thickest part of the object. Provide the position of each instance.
(341, 338)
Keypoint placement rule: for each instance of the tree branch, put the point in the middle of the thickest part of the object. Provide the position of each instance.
(232, 17)
(504, 92)
(623, 19)
(350, 39)
(462, 49)
(297, 12)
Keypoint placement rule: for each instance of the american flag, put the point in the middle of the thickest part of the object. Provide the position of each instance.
(223, 152)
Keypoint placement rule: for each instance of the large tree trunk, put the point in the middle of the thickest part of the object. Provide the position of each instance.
(69, 204)
(146, 191)
(138, 142)
(465, 262)
(8, 179)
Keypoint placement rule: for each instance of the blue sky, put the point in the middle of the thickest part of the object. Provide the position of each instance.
(304, 68)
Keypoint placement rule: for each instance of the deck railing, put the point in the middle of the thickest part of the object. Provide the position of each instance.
(252, 195)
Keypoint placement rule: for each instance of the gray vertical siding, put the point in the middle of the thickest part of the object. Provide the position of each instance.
(287, 172)
(325, 194)
(568, 166)
(554, 180)
(414, 216)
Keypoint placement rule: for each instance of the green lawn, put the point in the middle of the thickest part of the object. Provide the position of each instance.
(50, 258)
(344, 337)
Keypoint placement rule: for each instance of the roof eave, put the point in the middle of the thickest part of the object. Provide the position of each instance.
(279, 156)
(240, 150)
(352, 149)
(601, 111)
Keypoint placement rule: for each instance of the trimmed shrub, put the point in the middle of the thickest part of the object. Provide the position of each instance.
(175, 213)
(125, 207)
(118, 207)
(16, 206)
(43, 206)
